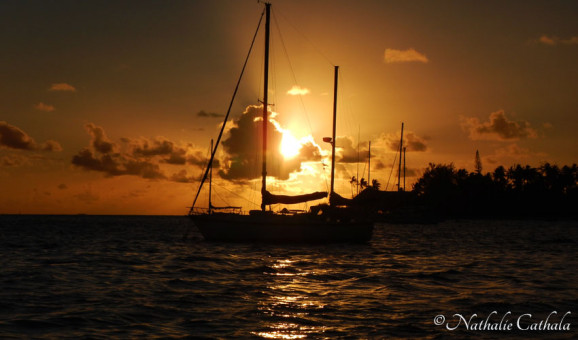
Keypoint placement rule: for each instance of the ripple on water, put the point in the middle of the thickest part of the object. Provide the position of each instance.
(129, 277)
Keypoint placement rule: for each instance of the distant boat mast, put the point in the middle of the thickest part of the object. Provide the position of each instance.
(400, 156)
(369, 165)
(404, 166)
(335, 78)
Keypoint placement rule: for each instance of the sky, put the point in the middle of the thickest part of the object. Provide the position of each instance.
(108, 107)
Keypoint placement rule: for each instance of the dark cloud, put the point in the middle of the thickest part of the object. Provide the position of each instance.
(144, 169)
(347, 152)
(378, 164)
(205, 114)
(410, 140)
(14, 138)
(177, 157)
(51, 145)
(100, 141)
(160, 146)
(154, 148)
(168, 152)
(243, 148)
(88, 160)
(182, 177)
(62, 186)
(102, 156)
(200, 159)
(499, 127)
(117, 165)
(137, 157)
(309, 152)
(413, 172)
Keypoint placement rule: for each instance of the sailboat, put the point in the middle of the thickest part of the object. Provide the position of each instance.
(321, 224)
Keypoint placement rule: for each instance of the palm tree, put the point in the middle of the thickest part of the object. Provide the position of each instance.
(569, 177)
(353, 183)
(516, 176)
(551, 177)
(499, 177)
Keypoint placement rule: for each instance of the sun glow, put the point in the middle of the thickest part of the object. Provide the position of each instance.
(290, 146)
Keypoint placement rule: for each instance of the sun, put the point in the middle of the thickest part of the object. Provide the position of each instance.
(290, 146)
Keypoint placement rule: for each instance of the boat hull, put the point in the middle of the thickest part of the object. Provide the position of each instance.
(281, 229)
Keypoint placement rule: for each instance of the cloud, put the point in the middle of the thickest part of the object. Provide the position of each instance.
(182, 177)
(88, 160)
(51, 145)
(13, 161)
(378, 164)
(499, 127)
(141, 157)
(44, 107)
(62, 186)
(399, 56)
(100, 141)
(116, 165)
(205, 114)
(243, 145)
(544, 39)
(103, 156)
(347, 152)
(243, 149)
(512, 153)
(411, 141)
(156, 147)
(198, 158)
(554, 40)
(14, 138)
(310, 152)
(64, 87)
(168, 152)
(297, 90)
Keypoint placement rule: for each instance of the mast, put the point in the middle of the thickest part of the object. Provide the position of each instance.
(404, 166)
(210, 180)
(369, 165)
(265, 105)
(400, 154)
(334, 131)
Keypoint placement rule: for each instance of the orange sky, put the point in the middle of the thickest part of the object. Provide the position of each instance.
(109, 107)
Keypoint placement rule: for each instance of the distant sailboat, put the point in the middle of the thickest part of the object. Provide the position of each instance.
(322, 224)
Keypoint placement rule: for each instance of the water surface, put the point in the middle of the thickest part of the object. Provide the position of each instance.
(131, 276)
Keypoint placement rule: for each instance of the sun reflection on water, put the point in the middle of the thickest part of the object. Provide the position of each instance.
(290, 304)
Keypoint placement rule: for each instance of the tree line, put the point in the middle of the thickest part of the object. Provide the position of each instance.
(546, 191)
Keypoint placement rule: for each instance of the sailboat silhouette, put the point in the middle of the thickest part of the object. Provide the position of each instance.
(322, 224)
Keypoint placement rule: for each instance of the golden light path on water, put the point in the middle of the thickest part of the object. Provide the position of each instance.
(291, 300)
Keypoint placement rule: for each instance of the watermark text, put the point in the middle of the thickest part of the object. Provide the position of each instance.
(494, 321)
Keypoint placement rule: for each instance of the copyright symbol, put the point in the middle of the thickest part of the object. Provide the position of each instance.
(439, 320)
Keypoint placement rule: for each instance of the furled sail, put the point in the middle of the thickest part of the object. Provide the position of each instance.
(370, 197)
(269, 198)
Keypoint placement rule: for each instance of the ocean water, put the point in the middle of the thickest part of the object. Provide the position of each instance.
(101, 277)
